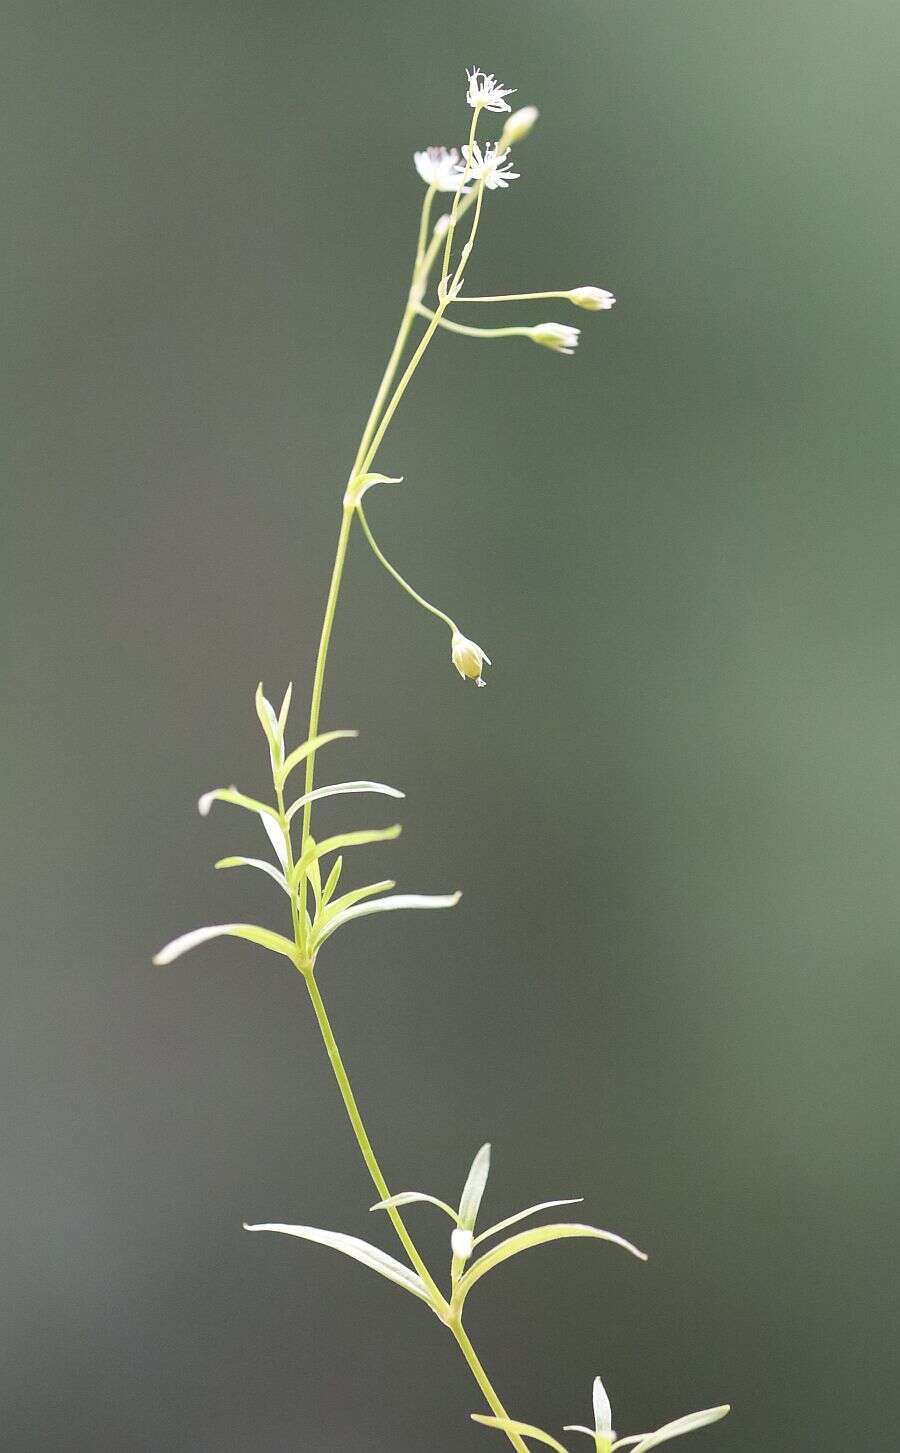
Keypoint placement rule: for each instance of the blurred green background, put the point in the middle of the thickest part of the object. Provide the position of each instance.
(671, 985)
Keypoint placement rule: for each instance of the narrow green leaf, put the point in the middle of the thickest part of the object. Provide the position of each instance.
(524, 1430)
(269, 723)
(237, 799)
(473, 1190)
(408, 1198)
(332, 880)
(343, 840)
(520, 1216)
(313, 871)
(686, 1424)
(356, 895)
(276, 835)
(538, 1236)
(385, 905)
(371, 1256)
(340, 789)
(300, 754)
(254, 934)
(361, 482)
(285, 708)
(259, 863)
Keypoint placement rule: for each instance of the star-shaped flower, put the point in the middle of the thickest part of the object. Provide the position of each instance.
(486, 91)
(489, 166)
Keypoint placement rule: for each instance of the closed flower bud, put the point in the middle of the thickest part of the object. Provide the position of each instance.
(519, 125)
(461, 1243)
(468, 658)
(558, 336)
(592, 298)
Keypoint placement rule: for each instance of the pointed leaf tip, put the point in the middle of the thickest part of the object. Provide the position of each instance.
(362, 1251)
(524, 1430)
(473, 1190)
(675, 1429)
(264, 937)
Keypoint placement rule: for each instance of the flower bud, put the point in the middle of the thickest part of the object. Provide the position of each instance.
(442, 225)
(461, 1243)
(519, 125)
(468, 658)
(592, 298)
(558, 336)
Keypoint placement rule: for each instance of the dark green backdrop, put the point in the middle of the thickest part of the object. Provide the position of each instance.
(675, 812)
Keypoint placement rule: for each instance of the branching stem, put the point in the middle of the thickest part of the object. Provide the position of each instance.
(379, 418)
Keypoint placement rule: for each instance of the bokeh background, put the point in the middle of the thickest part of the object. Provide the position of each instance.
(671, 985)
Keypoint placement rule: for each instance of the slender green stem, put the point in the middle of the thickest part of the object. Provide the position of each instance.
(406, 376)
(379, 555)
(423, 225)
(470, 332)
(512, 297)
(484, 1382)
(376, 426)
(319, 677)
(359, 1130)
(458, 194)
(362, 1139)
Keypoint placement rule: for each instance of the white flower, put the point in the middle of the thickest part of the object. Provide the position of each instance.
(439, 168)
(486, 91)
(592, 298)
(468, 658)
(489, 166)
(558, 336)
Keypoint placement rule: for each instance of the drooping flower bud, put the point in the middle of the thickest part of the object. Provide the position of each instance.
(519, 125)
(468, 658)
(592, 298)
(558, 336)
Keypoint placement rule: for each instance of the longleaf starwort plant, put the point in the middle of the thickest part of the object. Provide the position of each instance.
(309, 870)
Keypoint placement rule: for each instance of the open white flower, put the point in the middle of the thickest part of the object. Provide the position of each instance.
(489, 166)
(439, 167)
(602, 1435)
(486, 91)
(591, 298)
(558, 336)
(468, 658)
